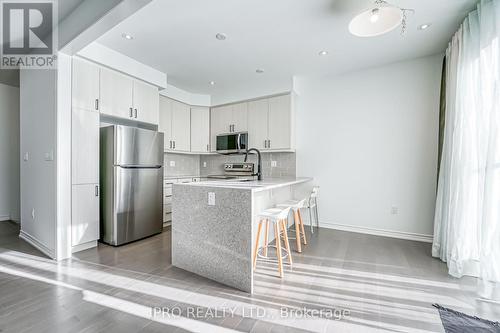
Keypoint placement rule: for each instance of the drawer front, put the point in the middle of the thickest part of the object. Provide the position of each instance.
(167, 191)
(167, 200)
(167, 217)
(167, 208)
(169, 182)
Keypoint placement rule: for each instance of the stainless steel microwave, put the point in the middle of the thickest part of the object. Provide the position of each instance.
(232, 143)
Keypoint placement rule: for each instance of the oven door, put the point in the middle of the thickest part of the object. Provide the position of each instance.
(232, 143)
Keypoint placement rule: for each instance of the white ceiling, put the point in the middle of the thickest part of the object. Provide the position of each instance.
(281, 36)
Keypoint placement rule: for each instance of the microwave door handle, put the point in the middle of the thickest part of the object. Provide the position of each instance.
(239, 142)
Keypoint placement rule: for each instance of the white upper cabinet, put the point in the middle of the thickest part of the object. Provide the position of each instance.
(258, 123)
(85, 85)
(124, 97)
(220, 122)
(145, 101)
(181, 126)
(240, 117)
(175, 123)
(200, 129)
(280, 123)
(165, 124)
(270, 123)
(116, 92)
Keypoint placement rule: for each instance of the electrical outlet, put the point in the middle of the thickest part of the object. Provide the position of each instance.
(172, 163)
(274, 164)
(49, 156)
(394, 210)
(211, 198)
(26, 157)
(204, 164)
(33, 213)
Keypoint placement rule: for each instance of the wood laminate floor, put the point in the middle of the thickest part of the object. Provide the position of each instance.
(346, 282)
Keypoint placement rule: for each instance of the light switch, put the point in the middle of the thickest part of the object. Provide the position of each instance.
(211, 198)
(274, 164)
(26, 157)
(172, 163)
(204, 164)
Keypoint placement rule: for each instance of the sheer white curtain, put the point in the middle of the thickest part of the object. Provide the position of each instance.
(467, 220)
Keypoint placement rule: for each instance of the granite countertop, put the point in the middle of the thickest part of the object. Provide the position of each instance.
(253, 185)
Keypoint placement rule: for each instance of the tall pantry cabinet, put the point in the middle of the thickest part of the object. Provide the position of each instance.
(85, 154)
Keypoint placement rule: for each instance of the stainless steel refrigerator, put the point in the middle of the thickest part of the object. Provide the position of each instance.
(131, 175)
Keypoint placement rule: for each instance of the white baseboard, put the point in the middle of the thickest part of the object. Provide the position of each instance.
(37, 244)
(4, 218)
(84, 246)
(379, 232)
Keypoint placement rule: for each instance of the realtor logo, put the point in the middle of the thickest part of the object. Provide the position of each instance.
(28, 36)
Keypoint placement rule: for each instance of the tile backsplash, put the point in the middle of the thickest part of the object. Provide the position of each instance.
(183, 164)
(205, 165)
(285, 164)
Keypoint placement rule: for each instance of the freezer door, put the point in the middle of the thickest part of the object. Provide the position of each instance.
(138, 203)
(138, 147)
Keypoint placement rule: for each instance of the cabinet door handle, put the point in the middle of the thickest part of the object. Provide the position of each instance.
(268, 143)
(135, 113)
(208, 149)
(97, 190)
(174, 144)
(131, 113)
(170, 144)
(96, 104)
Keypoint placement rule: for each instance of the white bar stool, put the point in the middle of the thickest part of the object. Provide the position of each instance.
(300, 234)
(277, 216)
(313, 204)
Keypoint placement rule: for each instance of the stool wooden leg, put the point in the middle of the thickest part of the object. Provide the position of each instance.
(287, 244)
(278, 249)
(256, 249)
(302, 226)
(297, 231)
(266, 238)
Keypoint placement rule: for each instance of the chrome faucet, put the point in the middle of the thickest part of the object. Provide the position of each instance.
(259, 162)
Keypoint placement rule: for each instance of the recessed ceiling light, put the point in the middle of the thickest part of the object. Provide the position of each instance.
(323, 53)
(212, 83)
(259, 71)
(424, 26)
(127, 36)
(221, 36)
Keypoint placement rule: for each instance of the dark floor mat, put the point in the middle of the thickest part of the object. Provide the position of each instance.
(458, 322)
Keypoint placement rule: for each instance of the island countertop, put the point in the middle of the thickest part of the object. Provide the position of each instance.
(252, 185)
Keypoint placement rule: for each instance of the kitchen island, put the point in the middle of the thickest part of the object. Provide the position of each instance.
(214, 225)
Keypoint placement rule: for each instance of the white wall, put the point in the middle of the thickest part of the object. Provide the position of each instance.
(38, 173)
(370, 140)
(9, 153)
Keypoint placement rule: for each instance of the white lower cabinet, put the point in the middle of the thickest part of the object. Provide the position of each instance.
(84, 214)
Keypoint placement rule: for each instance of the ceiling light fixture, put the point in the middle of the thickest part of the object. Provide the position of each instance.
(259, 71)
(221, 36)
(127, 36)
(323, 53)
(212, 83)
(424, 26)
(380, 19)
